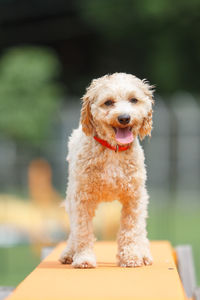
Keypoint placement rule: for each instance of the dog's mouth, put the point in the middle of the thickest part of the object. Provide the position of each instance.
(123, 135)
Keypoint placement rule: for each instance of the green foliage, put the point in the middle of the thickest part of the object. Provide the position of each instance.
(157, 39)
(29, 94)
(118, 18)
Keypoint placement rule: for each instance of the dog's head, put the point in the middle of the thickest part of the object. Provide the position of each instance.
(117, 108)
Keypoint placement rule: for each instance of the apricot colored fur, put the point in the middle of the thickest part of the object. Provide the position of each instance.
(98, 174)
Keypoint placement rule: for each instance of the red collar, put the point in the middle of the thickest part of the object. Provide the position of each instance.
(117, 148)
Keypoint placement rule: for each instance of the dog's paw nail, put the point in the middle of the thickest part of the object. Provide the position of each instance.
(84, 265)
(147, 261)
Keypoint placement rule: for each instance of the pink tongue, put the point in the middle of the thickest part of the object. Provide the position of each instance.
(124, 135)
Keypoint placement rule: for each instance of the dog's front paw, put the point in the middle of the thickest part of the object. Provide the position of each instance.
(134, 256)
(66, 257)
(84, 260)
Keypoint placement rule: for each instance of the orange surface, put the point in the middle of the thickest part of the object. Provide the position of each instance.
(54, 281)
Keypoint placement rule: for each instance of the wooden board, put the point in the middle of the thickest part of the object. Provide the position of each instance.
(53, 281)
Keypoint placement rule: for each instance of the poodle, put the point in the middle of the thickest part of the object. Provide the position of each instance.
(106, 162)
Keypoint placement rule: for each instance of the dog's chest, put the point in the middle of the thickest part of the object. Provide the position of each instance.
(113, 170)
(117, 174)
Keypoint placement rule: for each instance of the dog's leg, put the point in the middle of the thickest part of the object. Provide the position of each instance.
(82, 230)
(66, 256)
(68, 253)
(133, 245)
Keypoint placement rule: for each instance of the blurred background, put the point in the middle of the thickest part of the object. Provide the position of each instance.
(49, 52)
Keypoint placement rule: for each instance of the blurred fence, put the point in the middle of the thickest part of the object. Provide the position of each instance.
(172, 154)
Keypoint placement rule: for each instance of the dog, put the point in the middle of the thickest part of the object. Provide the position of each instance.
(106, 162)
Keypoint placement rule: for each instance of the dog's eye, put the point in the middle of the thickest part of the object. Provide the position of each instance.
(133, 100)
(109, 103)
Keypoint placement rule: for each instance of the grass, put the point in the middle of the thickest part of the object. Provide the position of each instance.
(179, 226)
(16, 263)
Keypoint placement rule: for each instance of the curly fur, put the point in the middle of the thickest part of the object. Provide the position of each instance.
(99, 174)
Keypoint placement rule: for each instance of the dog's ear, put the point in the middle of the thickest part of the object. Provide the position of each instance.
(148, 90)
(146, 127)
(86, 116)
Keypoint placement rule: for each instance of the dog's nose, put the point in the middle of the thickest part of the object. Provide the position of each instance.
(124, 119)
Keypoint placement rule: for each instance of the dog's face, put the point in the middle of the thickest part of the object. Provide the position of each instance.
(117, 108)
